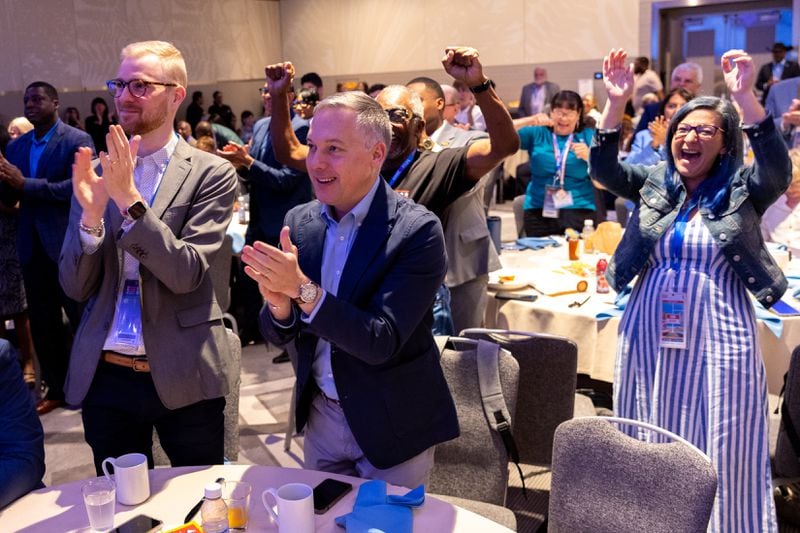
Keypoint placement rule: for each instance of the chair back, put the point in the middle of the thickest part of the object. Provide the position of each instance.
(474, 465)
(519, 214)
(548, 367)
(605, 480)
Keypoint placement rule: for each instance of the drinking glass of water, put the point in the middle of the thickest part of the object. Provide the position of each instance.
(99, 497)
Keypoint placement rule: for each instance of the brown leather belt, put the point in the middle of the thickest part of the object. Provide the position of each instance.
(138, 363)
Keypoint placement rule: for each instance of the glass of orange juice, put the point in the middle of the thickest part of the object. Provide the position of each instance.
(237, 497)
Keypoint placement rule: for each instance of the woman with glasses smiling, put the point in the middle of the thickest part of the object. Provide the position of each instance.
(688, 358)
(560, 194)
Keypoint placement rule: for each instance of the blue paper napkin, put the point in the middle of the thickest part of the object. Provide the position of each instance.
(620, 302)
(375, 512)
(537, 243)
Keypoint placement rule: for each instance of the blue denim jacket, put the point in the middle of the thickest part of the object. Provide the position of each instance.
(736, 228)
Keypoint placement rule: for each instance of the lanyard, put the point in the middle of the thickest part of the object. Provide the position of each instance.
(399, 172)
(561, 159)
(676, 243)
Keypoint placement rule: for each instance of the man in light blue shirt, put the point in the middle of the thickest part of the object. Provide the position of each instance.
(349, 293)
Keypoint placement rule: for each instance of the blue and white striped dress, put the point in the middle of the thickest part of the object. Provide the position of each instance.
(714, 393)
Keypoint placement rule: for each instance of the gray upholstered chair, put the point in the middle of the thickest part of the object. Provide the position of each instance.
(604, 480)
(519, 214)
(547, 377)
(231, 408)
(474, 467)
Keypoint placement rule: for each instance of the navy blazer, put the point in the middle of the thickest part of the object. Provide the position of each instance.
(45, 198)
(274, 187)
(384, 359)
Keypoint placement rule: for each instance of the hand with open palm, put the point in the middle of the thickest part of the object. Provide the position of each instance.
(617, 77)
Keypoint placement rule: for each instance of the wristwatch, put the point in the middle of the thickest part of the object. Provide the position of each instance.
(475, 89)
(134, 211)
(308, 293)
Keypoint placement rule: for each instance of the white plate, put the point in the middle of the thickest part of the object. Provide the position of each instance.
(519, 282)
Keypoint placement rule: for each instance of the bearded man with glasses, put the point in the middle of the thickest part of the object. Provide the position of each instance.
(147, 221)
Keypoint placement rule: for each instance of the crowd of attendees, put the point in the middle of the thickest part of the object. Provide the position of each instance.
(663, 153)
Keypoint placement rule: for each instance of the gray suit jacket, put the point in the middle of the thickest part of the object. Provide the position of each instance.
(175, 242)
(469, 247)
(525, 98)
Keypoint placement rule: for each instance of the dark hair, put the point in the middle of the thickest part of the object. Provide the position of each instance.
(311, 77)
(197, 95)
(680, 91)
(101, 100)
(215, 94)
(429, 84)
(246, 114)
(569, 100)
(713, 192)
(49, 90)
(307, 96)
(376, 87)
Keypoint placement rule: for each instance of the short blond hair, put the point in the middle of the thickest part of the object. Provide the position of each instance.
(172, 62)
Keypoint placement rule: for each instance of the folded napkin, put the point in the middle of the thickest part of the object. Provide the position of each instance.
(620, 302)
(537, 243)
(771, 320)
(375, 512)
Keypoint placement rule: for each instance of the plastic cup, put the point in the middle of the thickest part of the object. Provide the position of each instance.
(99, 497)
(237, 497)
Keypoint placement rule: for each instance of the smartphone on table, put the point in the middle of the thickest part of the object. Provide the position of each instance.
(328, 492)
(139, 524)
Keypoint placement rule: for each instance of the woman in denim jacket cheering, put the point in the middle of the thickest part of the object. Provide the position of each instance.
(688, 357)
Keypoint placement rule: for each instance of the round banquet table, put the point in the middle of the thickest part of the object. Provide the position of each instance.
(173, 492)
(597, 338)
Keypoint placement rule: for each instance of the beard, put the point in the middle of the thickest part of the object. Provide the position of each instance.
(145, 121)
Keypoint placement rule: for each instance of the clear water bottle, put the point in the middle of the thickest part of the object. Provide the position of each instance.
(214, 512)
(587, 235)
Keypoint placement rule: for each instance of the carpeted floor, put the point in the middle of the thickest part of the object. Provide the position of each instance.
(265, 395)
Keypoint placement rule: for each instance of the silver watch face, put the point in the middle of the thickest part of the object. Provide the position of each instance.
(308, 292)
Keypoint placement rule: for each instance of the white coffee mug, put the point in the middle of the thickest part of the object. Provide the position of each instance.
(130, 475)
(295, 502)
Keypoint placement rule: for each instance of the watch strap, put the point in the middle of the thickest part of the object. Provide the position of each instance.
(475, 89)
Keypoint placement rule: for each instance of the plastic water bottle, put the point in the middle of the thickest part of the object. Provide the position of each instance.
(586, 235)
(602, 284)
(214, 512)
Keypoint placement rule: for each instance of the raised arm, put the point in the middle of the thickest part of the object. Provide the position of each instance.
(462, 63)
(618, 80)
(287, 147)
(621, 179)
(740, 75)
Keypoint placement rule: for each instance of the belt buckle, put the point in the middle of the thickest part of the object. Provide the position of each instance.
(140, 364)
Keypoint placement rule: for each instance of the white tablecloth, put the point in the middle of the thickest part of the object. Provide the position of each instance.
(175, 490)
(597, 339)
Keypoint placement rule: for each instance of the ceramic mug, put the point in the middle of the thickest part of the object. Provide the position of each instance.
(130, 475)
(295, 502)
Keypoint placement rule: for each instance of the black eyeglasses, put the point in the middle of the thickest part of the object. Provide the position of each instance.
(398, 115)
(704, 132)
(137, 88)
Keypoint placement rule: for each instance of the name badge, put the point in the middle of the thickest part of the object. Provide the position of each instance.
(549, 209)
(672, 330)
(129, 315)
(562, 198)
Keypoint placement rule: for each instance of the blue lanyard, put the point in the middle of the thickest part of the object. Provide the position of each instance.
(676, 243)
(561, 161)
(399, 172)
